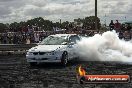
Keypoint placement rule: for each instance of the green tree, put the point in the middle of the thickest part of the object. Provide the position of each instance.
(88, 22)
(3, 27)
(15, 27)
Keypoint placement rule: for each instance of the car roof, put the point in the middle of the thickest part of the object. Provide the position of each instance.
(66, 35)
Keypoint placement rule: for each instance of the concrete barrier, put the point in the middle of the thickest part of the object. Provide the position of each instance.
(15, 48)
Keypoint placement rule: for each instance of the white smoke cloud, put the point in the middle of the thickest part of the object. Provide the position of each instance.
(105, 47)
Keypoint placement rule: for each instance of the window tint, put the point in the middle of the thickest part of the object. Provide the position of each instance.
(74, 39)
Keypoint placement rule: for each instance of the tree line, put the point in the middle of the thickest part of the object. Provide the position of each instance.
(87, 23)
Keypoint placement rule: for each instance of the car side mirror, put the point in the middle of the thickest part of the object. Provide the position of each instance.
(64, 43)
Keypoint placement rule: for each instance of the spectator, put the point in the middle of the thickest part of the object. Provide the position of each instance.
(15, 39)
(24, 30)
(111, 25)
(30, 30)
(5, 38)
(9, 38)
(28, 40)
(127, 35)
(32, 39)
(123, 28)
(128, 27)
(36, 37)
(120, 35)
(117, 26)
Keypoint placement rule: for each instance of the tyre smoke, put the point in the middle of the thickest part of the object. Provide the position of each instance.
(105, 47)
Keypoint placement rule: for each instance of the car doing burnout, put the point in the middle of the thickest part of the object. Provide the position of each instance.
(58, 48)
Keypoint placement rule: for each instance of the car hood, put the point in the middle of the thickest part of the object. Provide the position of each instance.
(46, 48)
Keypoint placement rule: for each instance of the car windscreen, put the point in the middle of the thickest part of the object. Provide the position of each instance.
(54, 40)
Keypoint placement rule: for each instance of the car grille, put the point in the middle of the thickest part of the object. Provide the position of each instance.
(44, 58)
(39, 59)
(39, 53)
(35, 53)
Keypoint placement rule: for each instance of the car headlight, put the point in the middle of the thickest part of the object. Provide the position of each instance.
(29, 53)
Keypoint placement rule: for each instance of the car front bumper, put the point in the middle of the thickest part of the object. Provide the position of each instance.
(45, 58)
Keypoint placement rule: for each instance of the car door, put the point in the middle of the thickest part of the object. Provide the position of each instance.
(72, 45)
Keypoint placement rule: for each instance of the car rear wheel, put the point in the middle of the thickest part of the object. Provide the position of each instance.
(64, 59)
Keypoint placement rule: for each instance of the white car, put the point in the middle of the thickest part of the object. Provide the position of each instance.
(58, 48)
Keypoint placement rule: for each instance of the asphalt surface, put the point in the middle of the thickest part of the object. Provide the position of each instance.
(15, 72)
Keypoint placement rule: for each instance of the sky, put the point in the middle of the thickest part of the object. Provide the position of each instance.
(67, 10)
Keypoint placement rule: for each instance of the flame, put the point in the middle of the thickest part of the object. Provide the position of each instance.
(82, 72)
